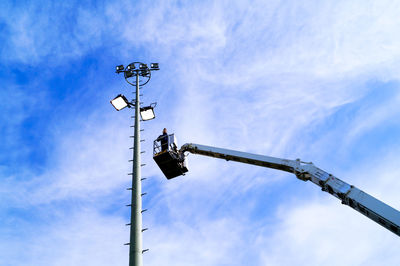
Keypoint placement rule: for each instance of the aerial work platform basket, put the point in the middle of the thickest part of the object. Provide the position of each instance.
(167, 157)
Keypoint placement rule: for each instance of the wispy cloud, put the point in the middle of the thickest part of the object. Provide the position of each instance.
(84, 237)
(285, 79)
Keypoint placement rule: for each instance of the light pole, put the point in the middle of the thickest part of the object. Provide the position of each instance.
(136, 74)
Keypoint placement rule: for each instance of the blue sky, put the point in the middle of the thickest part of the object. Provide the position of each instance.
(314, 80)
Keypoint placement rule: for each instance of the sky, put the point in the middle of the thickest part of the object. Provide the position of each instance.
(316, 80)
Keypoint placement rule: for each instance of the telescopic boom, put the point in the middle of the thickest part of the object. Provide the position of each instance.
(349, 195)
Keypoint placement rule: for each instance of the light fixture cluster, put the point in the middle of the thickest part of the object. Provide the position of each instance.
(133, 69)
(136, 67)
(120, 102)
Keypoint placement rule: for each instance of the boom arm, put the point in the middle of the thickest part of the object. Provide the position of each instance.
(357, 199)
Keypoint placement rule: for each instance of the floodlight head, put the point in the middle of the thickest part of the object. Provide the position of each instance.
(120, 102)
(128, 74)
(154, 66)
(147, 113)
(131, 66)
(142, 66)
(144, 72)
(119, 68)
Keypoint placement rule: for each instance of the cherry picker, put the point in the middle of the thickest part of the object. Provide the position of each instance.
(173, 163)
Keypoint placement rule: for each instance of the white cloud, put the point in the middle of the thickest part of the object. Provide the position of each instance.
(86, 164)
(82, 238)
(327, 233)
(205, 243)
(50, 33)
(384, 112)
(256, 78)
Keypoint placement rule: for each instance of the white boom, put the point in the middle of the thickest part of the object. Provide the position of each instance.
(357, 199)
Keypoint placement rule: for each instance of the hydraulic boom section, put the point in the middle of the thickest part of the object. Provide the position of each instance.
(357, 199)
(349, 195)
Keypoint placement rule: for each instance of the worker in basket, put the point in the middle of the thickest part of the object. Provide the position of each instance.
(164, 140)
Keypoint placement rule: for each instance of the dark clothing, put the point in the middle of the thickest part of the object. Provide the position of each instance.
(164, 141)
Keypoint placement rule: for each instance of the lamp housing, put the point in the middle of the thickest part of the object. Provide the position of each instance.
(119, 68)
(147, 113)
(120, 102)
(128, 74)
(144, 72)
(154, 66)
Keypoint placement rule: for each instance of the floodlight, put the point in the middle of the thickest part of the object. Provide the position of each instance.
(154, 66)
(144, 72)
(131, 66)
(142, 66)
(119, 68)
(128, 74)
(120, 102)
(147, 113)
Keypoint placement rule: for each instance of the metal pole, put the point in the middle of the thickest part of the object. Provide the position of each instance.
(135, 247)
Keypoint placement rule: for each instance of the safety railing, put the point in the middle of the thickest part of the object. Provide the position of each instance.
(164, 143)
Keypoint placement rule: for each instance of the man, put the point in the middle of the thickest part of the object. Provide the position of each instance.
(164, 140)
